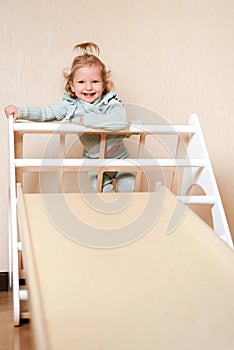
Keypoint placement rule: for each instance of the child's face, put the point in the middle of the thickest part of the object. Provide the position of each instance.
(87, 83)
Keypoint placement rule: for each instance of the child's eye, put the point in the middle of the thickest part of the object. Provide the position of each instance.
(96, 81)
(80, 81)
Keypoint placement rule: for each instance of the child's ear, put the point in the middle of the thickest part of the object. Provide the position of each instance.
(72, 87)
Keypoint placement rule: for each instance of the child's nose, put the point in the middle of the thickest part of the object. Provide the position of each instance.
(88, 85)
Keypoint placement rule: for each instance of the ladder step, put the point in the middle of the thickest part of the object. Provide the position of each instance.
(198, 199)
(23, 294)
(94, 163)
(24, 304)
(22, 274)
(24, 315)
(67, 127)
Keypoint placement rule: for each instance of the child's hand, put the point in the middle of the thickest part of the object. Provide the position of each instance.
(11, 110)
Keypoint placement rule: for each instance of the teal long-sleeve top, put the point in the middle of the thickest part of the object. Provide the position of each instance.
(107, 112)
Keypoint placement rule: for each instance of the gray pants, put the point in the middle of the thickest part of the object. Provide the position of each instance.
(125, 181)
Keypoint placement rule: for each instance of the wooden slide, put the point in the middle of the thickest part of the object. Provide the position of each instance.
(162, 281)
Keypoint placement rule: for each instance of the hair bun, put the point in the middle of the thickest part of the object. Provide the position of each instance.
(88, 48)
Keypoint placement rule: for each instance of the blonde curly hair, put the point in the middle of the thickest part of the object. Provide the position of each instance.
(88, 56)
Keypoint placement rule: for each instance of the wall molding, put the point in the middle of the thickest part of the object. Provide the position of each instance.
(4, 281)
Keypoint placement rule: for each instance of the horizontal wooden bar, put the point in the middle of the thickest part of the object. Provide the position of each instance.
(67, 127)
(108, 163)
(198, 199)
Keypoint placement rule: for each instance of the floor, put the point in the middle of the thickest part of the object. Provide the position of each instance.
(13, 338)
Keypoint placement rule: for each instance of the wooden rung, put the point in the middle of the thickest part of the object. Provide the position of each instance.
(33, 164)
(66, 127)
(24, 305)
(198, 199)
(23, 294)
(22, 274)
(24, 315)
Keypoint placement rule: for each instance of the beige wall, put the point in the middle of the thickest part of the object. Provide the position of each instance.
(173, 56)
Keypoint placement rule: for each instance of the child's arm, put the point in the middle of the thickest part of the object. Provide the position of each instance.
(38, 114)
(114, 118)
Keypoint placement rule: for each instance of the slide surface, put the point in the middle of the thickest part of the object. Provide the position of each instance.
(105, 272)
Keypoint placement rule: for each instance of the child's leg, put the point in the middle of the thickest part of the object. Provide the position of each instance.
(93, 180)
(106, 184)
(125, 182)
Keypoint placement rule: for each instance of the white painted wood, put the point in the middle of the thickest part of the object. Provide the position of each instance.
(198, 199)
(194, 169)
(191, 161)
(19, 246)
(67, 127)
(23, 294)
(13, 239)
(205, 179)
(96, 163)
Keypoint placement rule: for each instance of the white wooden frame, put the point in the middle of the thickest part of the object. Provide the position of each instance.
(194, 168)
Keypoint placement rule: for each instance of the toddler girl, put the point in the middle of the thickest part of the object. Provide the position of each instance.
(90, 101)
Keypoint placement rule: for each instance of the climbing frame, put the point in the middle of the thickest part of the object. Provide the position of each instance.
(187, 160)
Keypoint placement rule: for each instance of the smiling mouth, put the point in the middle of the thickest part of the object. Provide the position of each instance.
(89, 94)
